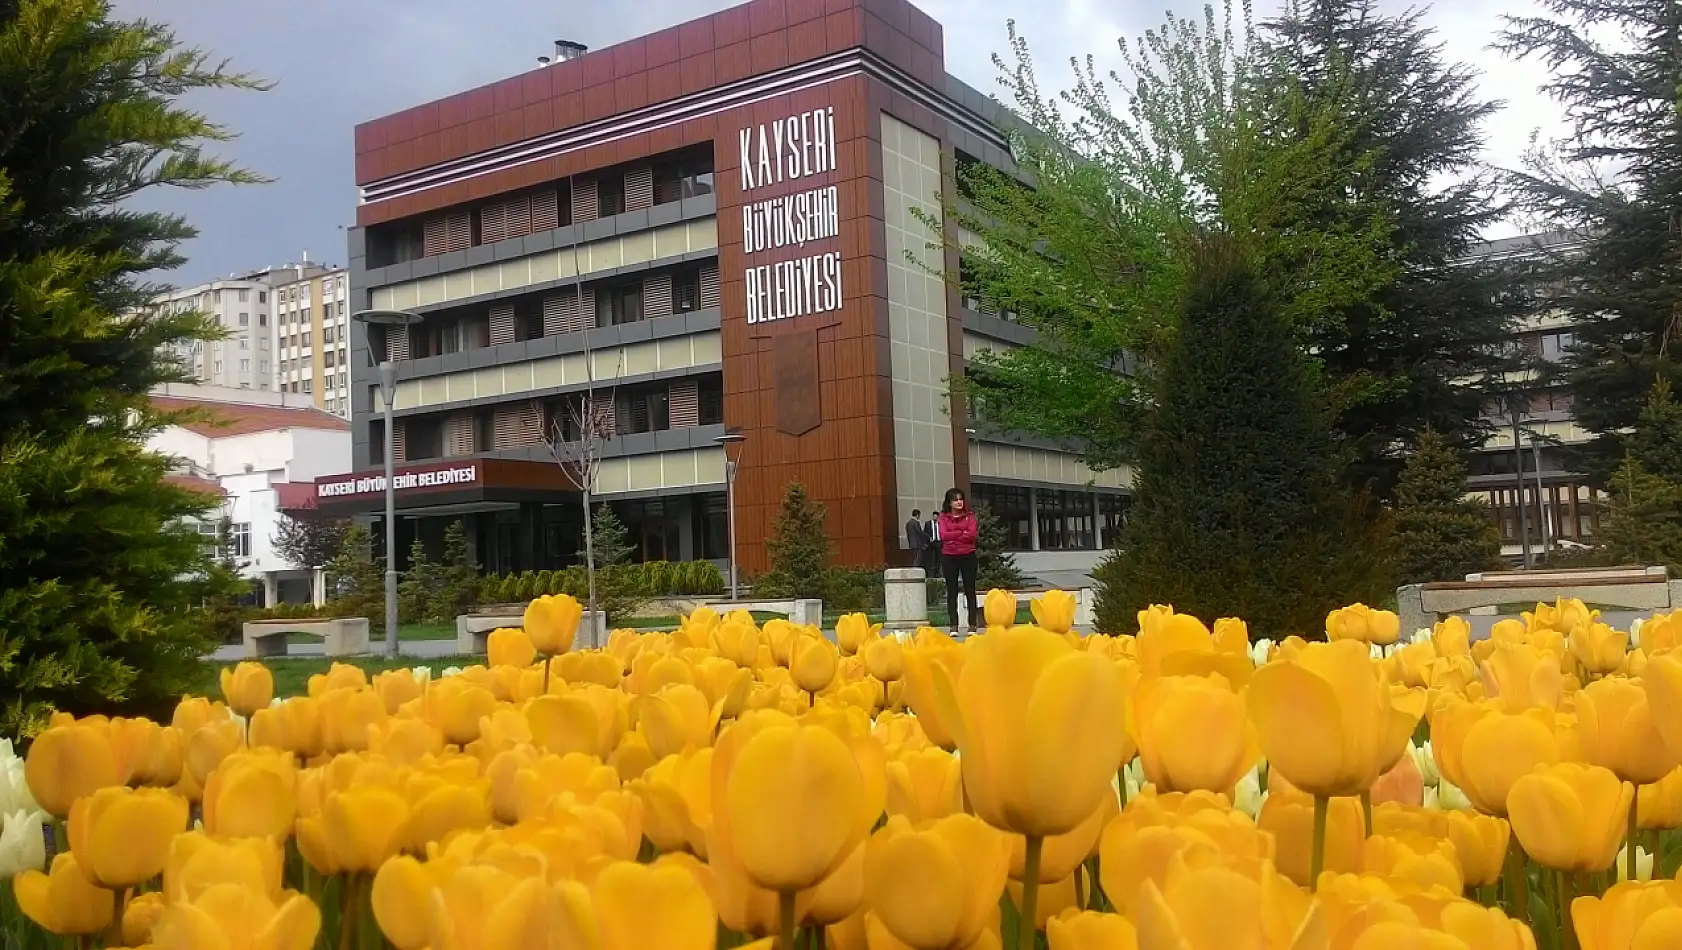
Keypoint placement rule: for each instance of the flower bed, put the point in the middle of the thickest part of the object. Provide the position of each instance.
(728, 784)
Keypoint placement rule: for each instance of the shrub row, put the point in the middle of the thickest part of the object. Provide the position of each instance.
(651, 579)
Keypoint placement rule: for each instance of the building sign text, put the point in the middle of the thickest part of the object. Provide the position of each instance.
(785, 151)
(402, 481)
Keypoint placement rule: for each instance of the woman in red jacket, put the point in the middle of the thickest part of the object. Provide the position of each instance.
(958, 530)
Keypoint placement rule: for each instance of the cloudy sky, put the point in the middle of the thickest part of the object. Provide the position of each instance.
(339, 62)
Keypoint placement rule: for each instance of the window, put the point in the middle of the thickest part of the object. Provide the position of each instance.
(262, 343)
(610, 195)
(327, 334)
(332, 406)
(239, 539)
(216, 296)
(327, 358)
(711, 401)
(218, 367)
(689, 178)
(262, 319)
(341, 303)
(262, 366)
(686, 290)
(262, 296)
(306, 341)
(423, 438)
(245, 366)
(244, 344)
(645, 411)
(1011, 506)
(307, 384)
(244, 295)
(328, 385)
(617, 305)
(528, 319)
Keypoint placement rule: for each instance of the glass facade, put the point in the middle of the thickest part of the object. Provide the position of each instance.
(1055, 519)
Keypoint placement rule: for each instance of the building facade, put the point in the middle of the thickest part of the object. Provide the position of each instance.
(311, 317)
(242, 306)
(261, 452)
(714, 228)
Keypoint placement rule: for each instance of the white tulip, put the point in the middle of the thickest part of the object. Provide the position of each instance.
(1635, 635)
(1446, 797)
(23, 845)
(1426, 760)
(1643, 864)
(422, 674)
(1248, 796)
(1259, 651)
(451, 671)
(1421, 635)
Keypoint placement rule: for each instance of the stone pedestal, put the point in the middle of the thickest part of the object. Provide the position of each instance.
(906, 598)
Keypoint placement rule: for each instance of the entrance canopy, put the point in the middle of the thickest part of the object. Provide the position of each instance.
(455, 487)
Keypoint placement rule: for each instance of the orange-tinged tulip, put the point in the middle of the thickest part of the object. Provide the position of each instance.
(1402, 784)
(1091, 930)
(252, 795)
(1483, 751)
(552, 623)
(1326, 720)
(509, 646)
(1290, 818)
(198, 862)
(121, 836)
(1363, 624)
(247, 687)
(935, 888)
(140, 916)
(1054, 610)
(1192, 733)
(63, 901)
(925, 785)
(1631, 915)
(1617, 729)
(1570, 817)
(1021, 711)
(884, 658)
(229, 917)
(793, 797)
(68, 762)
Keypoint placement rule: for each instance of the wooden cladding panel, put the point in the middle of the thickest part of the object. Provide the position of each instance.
(684, 403)
(709, 285)
(585, 205)
(459, 435)
(562, 313)
(517, 425)
(657, 296)
(447, 232)
(502, 324)
(639, 188)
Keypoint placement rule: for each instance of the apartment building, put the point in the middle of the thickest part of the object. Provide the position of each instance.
(241, 305)
(707, 226)
(311, 342)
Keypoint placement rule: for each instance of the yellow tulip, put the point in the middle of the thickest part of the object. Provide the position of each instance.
(935, 888)
(1218, 907)
(1519, 676)
(439, 807)
(1289, 817)
(1662, 679)
(921, 661)
(925, 785)
(1419, 860)
(207, 746)
(294, 725)
(677, 801)
(552, 623)
(813, 662)
(1659, 805)
(68, 762)
(1483, 751)
(1327, 722)
(64, 901)
(1090, 930)
(247, 687)
(405, 741)
(1021, 712)
(509, 646)
(676, 718)
(1563, 615)
(195, 711)
(1061, 854)
(121, 836)
(1480, 845)
(1618, 730)
(1631, 915)
(1598, 647)
(852, 632)
(358, 829)
(603, 669)
(338, 676)
(252, 795)
(1660, 633)
(396, 687)
(795, 804)
(227, 916)
(998, 609)
(1363, 624)
(198, 862)
(158, 756)
(1054, 610)
(884, 658)
(637, 907)
(1570, 817)
(457, 708)
(632, 757)
(400, 895)
(1170, 643)
(1192, 733)
(348, 717)
(1452, 636)
(140, 916)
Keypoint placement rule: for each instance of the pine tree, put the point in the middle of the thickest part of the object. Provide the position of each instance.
(799, 547)
(458, 577)
(619, 586)
(418, 585)
(995, 566)
(1441, 535)
(102, 571)
(1644, 518)
(1239, 507)
(1612, 184)
(356, 577)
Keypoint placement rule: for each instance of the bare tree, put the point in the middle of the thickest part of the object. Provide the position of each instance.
(310, 541)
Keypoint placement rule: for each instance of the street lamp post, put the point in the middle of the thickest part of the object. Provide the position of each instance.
(388, 392)
(732, 443)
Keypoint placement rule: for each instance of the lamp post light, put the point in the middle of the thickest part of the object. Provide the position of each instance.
(732, 443)
(388, 391)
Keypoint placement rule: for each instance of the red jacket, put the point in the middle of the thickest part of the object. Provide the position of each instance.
(957, 533)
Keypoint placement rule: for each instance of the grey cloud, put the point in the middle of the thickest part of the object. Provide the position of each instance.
(340, 62)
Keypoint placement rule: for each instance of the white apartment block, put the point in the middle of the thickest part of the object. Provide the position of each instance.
(242, 306)
(311, 313)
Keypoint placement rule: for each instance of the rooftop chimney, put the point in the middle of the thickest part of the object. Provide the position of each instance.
(566, 50)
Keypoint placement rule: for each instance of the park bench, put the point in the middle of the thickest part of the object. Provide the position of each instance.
(473, 630)
(1631, 587)
(346, 636)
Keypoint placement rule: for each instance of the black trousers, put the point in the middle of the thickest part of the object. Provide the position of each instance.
(960, 569)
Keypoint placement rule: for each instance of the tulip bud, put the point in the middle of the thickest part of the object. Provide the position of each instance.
(68, 762)
(552, 623)
(247, 687)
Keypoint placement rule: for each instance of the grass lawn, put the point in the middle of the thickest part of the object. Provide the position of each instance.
(292, 676)
(376, 633)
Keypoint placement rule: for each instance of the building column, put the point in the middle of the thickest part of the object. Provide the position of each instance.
(271, 589)
(1097, 525)
(531, 536)
(1033, 519)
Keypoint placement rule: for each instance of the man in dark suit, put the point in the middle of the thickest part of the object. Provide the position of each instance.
(916, 538)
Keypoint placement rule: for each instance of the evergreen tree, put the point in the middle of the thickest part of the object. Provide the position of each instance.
(1612, 183)
(619, 585)
(1441, 535)
(1239, 507)
(356, 577)
(418, 585)
(458, 577)
(102, 572)
(995, 566)
(799, 547)
(1644, 518)
(1413, 354)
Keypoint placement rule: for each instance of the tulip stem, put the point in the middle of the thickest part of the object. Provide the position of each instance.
(1518, 882)
(1025, 928)
(785, 919)
(1634, 837)
(1317, 855)
(1080, 887)
(1567, 931)
(545, 674)
(1121, 783)
(1366, 809)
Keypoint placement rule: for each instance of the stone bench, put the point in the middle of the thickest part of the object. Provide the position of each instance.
(1420, 606)
(905, 597)
(473, 630)
(804, 612)
(342, 637)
